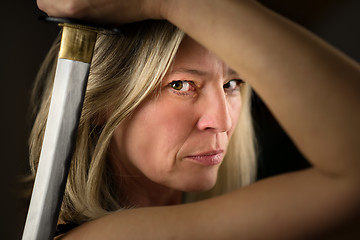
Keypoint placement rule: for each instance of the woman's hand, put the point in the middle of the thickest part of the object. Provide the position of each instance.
(104, 11)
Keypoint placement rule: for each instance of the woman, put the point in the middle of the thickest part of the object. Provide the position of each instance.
(157, 119)
(311, 88)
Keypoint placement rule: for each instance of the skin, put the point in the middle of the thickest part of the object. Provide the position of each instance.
(310, 87)
(177, 141)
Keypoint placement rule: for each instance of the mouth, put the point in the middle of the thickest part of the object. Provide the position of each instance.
(208, 158)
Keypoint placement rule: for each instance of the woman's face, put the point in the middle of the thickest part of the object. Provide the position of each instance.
(179, 139)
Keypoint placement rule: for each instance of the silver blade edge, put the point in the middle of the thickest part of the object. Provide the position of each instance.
(59, 140)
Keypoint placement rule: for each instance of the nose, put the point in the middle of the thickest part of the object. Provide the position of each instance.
(214, 113)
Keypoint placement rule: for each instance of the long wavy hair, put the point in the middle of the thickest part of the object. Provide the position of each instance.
(126, 69)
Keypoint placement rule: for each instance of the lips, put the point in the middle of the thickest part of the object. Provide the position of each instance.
(208, 158)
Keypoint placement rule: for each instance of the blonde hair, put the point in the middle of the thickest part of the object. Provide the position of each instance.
(126, 69)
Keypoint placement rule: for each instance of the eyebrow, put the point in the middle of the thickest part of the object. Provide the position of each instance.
(189, 71)
(231, 71)
(199, 72)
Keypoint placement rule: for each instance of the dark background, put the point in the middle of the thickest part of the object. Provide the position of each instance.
(25, 40)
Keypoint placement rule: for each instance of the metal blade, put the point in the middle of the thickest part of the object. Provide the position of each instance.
(60, 134)
(66, 103)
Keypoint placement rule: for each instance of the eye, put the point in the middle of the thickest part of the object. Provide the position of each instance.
(181, 86)
(233, 84)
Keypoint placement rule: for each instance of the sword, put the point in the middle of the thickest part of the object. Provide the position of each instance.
(76, 50)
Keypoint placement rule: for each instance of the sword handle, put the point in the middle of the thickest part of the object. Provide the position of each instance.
(77, 42)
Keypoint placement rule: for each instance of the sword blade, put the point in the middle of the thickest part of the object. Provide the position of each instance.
(60, 133)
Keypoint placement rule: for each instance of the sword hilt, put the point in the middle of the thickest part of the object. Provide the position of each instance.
(77, 42)
(78, 37)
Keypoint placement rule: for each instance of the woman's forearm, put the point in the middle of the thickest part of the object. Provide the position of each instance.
(300, 205)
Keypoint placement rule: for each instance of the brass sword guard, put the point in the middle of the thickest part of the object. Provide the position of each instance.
(77, 42)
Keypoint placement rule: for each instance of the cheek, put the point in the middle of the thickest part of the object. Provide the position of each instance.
(154, 134)
(235, 106)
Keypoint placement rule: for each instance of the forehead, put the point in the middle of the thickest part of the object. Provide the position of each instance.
(192, 55)
(190, 45)
(189, 49)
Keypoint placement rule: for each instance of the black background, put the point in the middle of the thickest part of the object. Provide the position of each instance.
(24, 42)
